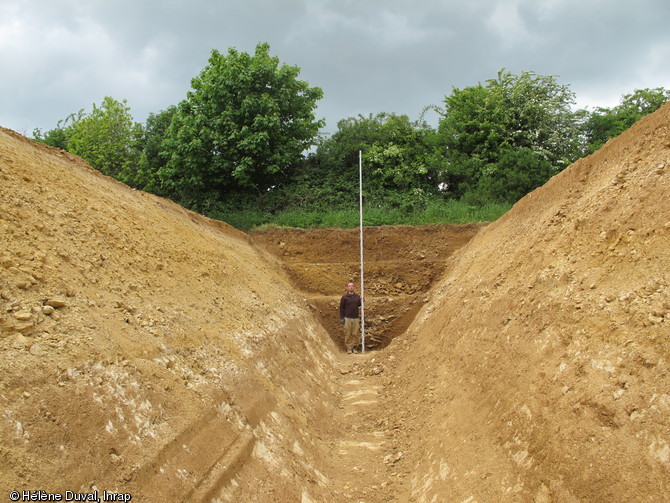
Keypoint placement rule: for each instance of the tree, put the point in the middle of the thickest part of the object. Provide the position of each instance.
(152, 159)
(482, 124)
(605, 123)
(59, 136)
(395, 162)
(517, 172)
(470, 136)
(642, 102)
(243, 127)
(107, 138)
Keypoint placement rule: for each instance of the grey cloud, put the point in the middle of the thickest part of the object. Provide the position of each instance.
(368, 56)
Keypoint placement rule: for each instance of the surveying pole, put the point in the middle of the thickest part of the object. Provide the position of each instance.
(360, 206)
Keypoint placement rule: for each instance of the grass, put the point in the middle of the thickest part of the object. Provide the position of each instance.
(437, 212)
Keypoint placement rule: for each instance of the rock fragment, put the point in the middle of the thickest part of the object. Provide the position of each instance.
(56, 302)
(22, 315)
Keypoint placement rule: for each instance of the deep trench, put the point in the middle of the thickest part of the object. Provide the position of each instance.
(399, 270)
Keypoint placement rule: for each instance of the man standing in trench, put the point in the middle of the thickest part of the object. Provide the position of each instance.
(349, 317)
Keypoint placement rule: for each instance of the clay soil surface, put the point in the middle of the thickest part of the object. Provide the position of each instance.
(150, 351)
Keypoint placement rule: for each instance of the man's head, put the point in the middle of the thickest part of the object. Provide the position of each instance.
(350, 287)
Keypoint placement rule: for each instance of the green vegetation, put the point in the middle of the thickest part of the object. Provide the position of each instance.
(234, 148)
(456, 212)
(502, 140)
(107, 138)
(604, 123)
(241, 129)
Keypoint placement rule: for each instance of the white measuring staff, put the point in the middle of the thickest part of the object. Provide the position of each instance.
(360, 205)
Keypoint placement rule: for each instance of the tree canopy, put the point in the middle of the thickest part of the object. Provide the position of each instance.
(485, 127)
(395, 152)
(604, 123)
(106, 137)
(243, 126)
(239, 141)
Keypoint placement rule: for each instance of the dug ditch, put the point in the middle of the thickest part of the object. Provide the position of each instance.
(401, 264)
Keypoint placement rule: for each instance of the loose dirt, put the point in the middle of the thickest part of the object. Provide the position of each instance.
(151, 351)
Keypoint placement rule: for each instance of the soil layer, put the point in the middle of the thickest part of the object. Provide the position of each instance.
(400, 265)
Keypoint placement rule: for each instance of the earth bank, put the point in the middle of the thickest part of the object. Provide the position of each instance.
(543, 353)
(146, 349)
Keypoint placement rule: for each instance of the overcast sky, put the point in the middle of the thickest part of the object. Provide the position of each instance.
(368, 56)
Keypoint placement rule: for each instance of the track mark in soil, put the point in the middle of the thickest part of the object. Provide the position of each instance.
(361, 449)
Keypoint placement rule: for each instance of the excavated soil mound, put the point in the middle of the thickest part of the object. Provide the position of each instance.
(539, 369)
(401, 263)
(148, 350)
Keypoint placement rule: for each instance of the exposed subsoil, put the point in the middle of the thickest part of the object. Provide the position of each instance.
(151, 351)
(400, 265)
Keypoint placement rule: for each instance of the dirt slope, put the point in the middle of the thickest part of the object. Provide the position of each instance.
(146, 349)
(539, 369)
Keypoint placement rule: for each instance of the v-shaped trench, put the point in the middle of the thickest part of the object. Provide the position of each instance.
(401, 265)
(366, 447)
